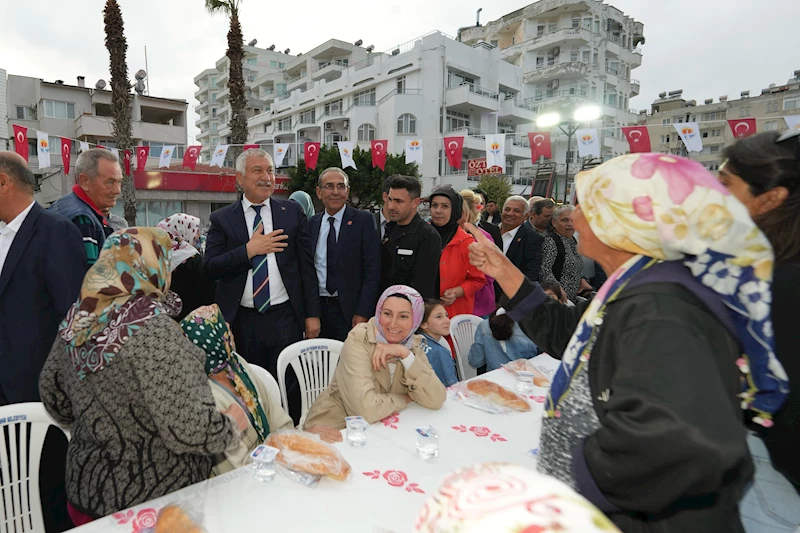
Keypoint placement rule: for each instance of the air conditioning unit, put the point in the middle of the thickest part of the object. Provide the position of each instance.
(346, 124)
(553, 84)
(328, 126)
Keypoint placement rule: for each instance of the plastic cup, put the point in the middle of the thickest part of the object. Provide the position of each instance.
(356, 430)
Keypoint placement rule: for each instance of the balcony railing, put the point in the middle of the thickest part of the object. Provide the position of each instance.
(337, 62)
(296, 78)
(545, 64)
(494, 95)
(308, 119)
(399, 91)
(549, 95)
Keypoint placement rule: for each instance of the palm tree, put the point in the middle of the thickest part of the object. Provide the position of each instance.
(121, 100)
(235, 54)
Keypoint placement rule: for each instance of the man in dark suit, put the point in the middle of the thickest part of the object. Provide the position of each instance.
(346, 252)
(42, 264)
(522, 245)
(257, 253)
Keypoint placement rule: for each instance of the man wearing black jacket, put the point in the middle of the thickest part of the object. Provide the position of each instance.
(410, 248)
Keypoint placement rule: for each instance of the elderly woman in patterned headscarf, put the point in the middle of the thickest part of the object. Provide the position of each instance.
(233, 382)
(382, 367)
(643, 416)
(125, 380)
(189, 280)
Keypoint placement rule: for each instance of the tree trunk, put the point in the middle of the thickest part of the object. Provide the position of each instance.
(121, 99)
(238, 122)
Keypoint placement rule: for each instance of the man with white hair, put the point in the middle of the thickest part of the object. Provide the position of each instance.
(521, 244)
(258, 253)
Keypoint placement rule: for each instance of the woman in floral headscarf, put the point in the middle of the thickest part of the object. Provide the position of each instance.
(189, 280)
(233, 382)
(643, 416)
(130, 385)
(382, 367)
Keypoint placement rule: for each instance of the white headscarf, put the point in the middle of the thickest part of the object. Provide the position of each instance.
(182, 229)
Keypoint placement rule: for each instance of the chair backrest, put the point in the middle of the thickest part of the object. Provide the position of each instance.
(314, 361)
(266, 379)
(23, 427)
(462, 330)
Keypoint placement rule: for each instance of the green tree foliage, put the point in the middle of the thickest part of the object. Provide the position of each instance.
(497, 187)
(366, 183)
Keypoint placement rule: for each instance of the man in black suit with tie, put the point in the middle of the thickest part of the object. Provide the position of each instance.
(346, 252)
(257, 253)
(42, 264)
(522, 245)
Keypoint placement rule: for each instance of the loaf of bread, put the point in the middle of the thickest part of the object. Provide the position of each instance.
(173, 519)
(524, 365)
(498, 395)
(307, 453)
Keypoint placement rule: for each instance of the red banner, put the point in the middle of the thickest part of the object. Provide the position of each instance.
(453, 149)
(191, 155)
(311, 155)
(66, 153)
(477, 167)
(638, 138)
(378, 149)
(165, 180)
(743, 127)
(141, 156)
(250, 147)
(21, 141)
(126, 157)
(540, 145)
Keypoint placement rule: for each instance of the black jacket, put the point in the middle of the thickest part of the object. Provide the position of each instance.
(410, 256)
(671, 455)
(190, 282)
(492, 230)
(525, 251)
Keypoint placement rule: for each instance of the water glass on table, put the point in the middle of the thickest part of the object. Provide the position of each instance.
(356, 430)
(427, 442)
(525, 382)
(263, 458)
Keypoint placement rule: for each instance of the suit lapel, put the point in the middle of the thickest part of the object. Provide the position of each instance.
(314, 229)
(345, 230)
(237, 220)
(21, 241)
(514, 244)
(279, 221)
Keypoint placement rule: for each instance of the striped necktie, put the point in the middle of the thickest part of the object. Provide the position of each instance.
(260, 269)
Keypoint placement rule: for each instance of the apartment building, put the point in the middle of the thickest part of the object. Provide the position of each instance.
(264, 71)
(426, 88)
(768, 108)
(4, 128)
(571, 53)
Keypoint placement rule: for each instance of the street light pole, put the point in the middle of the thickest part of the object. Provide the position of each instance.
(572, 127)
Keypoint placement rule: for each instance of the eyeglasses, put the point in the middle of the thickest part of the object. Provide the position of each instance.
(341, 187)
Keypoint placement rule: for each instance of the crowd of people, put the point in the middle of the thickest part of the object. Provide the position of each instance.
(666, 293)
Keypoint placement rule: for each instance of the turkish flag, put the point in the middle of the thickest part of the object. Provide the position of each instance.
(21, 141)
(378, 149)
(191, 155)
(250, 147)
(743, 127)
(126, 157)
(311, 155)
(141, 156)
(638, 138)
(453, 149)
(66, 148)
(540, 145)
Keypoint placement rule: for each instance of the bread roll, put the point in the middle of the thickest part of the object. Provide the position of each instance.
(497, 394)
(306, 453)
(173, 519)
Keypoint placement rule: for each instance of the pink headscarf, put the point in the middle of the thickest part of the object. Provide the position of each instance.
(417, 311)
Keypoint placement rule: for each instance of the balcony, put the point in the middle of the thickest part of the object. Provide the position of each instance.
(516, 111)
(328, 70)
(395, 92)
(563, 70)
(547, 40)
(468, 97)
(295, 82)
(635, 88)
(559, 99)
(203, 119)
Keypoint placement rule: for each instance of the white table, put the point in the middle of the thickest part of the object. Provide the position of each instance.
(388, 484)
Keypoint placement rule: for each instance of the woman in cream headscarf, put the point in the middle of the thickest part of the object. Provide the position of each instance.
(643, 416)
(305, 201)
(382, 367)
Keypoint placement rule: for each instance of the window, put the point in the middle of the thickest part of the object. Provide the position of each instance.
(586, 56)
(456, 79)
(251, 61)
(611, 99)
(334, 108)
(495, 43)
(308, 117)
(407, 124)
(155, 148)
(587, 23)
(771, 126)
(540, 30)
(366, 132)
(285, 124)
(150, 213)
(214, 127)
(744, 112)
(213, 112)
(576, 23)
(56, 109)
(791, 103)
(364, 98)
(212, 80)
(332, 138)
(713, 149)
(505, 128)
(718, 115)
(401, 85)
(267, 127)
(281, 65)
(573, 55)
(456, 120)
(213, 98)
(24, 113)
(773, 107)
(280, 89)
(273, 64)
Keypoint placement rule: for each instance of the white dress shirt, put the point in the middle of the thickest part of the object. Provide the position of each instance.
(508, 237)
(277, 290)
(9, 231)
(321, 256)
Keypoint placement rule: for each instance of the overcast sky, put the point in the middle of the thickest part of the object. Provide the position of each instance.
(708, 48)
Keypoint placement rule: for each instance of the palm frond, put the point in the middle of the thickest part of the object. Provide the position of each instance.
(215, 6)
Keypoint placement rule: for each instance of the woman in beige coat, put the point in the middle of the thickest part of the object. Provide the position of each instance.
(382, 367)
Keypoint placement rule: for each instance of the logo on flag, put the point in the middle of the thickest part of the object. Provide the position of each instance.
(43, 149)
(44, 145)
(587, 139)
(414, 145)
(494, 148)
(688, 132)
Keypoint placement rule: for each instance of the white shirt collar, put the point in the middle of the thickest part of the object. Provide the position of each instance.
(338, 216)
(15, 224)
(512, 233)
(383, 218)
(247, 204)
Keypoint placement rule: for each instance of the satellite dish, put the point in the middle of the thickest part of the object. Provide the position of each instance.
(286, 51)
(370, 48)
(253, 42)
(141, 74)
(271, 47)
(101, 84)
(139, 87)
(359, 42)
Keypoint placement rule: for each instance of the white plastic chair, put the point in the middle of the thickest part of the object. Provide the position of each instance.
(314, 362)
(462, 330)
(23, 427)
(266, 379)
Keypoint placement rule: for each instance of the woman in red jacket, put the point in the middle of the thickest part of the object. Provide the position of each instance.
(458, 280)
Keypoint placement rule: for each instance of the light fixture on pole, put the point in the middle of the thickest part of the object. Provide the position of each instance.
(568, 127)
